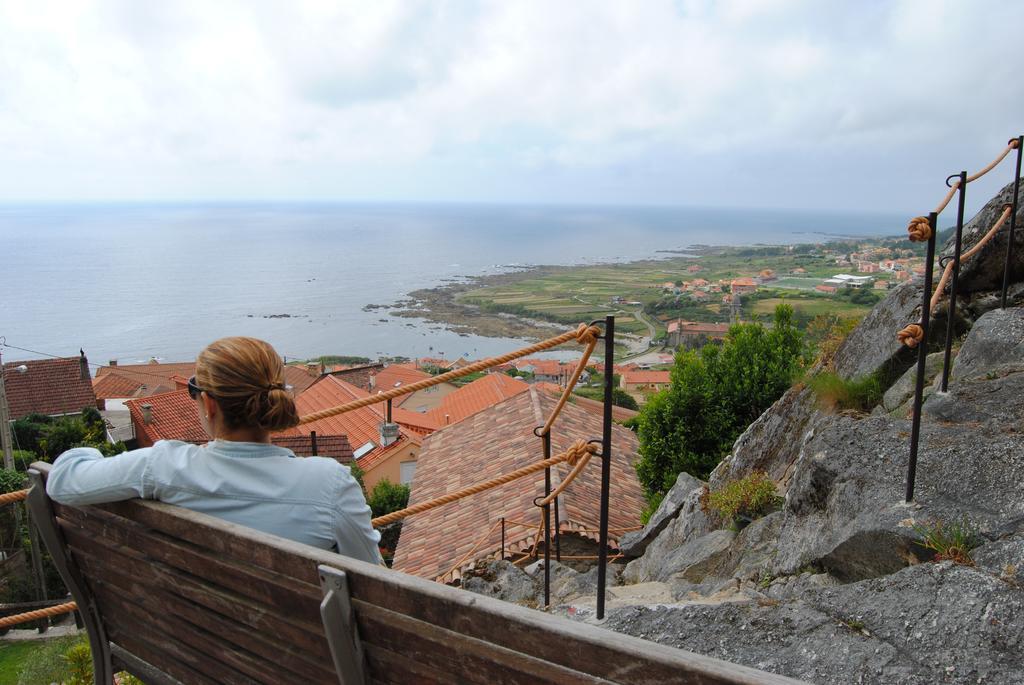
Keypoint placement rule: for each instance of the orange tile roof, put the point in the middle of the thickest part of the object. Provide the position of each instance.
(336, 447)
(48, 386)
(654, 377)
(151, 374)
(475, 397)
(174, 417)
(744, 281)
(115, 386)
(494, 442)
(360, 425)
(299, 378)
(395, 376)
(592, 406)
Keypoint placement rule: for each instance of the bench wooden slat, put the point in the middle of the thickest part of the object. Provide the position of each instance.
(281, 592)
(477, 661)
(98, 556)
(281, 658)
(393, 668)
(231, 666)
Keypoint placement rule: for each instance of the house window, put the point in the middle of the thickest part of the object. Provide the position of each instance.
(406, 471)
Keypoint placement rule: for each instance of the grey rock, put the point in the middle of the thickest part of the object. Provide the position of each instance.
(873, 345)
(844, 507)
(772, 443)
(1003, 558)
(693, 560)
(634, 544)
(995, 345)
(925, 624)
(505, 581)
(984, 271)
(690, 523)
(903, 389)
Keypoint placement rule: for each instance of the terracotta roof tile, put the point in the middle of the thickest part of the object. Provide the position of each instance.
(115, 386)
(361, 426)
(493, 442)
(475, 397)
(48, 386)
(298, 378)
(173, 417)
(335, 446)
(151, 374)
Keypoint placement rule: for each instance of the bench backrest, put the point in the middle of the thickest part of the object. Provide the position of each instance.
(172, 595)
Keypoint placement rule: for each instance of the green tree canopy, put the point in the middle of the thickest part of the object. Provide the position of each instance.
(714, 395)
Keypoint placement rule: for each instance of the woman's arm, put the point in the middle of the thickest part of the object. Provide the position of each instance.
(84, 476)
(353, 532)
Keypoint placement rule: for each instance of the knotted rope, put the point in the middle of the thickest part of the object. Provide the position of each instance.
(584, 334)
(912, 335)
(1011, 145)
(572, 455)
(919, 229)
(9, 621)
(16, 496)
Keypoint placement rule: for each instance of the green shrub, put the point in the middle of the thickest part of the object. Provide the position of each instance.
(79, 663)
(952, 541)
(750, 498)
(385, 498)
(714, 395)
(860, 394)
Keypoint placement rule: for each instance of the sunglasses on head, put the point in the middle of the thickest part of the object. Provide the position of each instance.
(193, 389)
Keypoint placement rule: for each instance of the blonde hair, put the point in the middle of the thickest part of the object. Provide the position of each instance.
(246, 378)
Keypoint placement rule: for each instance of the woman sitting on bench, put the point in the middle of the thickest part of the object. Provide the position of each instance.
(238, 476)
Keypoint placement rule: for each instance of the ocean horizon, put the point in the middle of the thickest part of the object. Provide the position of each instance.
(135, 281)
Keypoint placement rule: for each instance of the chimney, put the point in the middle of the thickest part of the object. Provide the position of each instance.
(372, 382)
(313, 369)
(147, 413)
(83, 364)
(447, 419)
(112, 362)
(388, 433)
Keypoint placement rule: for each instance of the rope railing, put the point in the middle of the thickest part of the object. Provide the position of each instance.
(11, 497)
(923, 229)
(584, 334)
(14, 620)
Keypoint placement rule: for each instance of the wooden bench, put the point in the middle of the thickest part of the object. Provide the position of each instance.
(174, 596)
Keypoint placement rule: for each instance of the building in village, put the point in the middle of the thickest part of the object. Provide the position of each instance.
(741, 286)
(441, 544)
(640, 384)
(54, 387)
(695, 333)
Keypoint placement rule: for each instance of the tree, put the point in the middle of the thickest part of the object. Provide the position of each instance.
(387, 497)
(621, 398)
(714, 395)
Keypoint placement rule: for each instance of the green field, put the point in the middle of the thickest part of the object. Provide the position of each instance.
(811, 306)
(572, 295)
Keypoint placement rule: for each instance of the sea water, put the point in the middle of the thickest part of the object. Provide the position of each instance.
(132, 282)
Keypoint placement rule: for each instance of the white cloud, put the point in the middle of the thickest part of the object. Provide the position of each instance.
(415, 99)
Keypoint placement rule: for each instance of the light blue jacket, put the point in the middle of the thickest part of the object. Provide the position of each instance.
(314, 500)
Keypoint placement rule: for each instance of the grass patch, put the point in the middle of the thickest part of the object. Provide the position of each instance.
(951, 541)
(859, 394)
(741, 501)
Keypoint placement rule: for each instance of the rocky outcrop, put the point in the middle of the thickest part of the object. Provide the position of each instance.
(872, 346)
(995, 345)
(682, 492)
(924, 624)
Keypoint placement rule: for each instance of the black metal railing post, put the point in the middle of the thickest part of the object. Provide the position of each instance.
(389, 412)
(922, 354)
(1013, 224)
(312, 443)
(546, 438)
(953, 284)
(606, 460)
(503, 538)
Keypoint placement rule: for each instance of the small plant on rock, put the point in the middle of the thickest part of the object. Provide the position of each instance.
(952, 541)
(741, 501)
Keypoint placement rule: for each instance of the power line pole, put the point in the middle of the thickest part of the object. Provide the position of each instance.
(5, 422)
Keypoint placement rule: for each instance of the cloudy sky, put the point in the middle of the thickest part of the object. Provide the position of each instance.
(756, 103)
